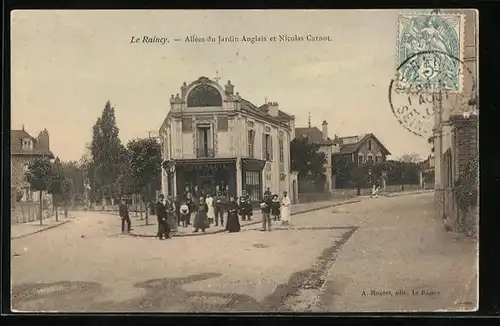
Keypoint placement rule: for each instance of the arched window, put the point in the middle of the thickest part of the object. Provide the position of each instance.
(370, 157)
(204, 95)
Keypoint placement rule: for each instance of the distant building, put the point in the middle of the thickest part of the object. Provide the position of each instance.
(25, 148)
(362, 148)
(215, 140)
(326, 145)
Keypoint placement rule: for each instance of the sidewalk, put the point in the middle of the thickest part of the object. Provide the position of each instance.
(150, 230)
(21, 230)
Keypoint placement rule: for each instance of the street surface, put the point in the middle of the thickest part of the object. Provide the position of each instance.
(324, 262)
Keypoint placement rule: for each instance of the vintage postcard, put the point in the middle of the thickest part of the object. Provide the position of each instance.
(244, 161)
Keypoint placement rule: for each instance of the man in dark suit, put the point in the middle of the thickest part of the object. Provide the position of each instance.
(266, 205)
(123, 211)
(219, 203)
(161, 214)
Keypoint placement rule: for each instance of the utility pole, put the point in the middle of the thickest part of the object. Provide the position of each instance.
(309, 120)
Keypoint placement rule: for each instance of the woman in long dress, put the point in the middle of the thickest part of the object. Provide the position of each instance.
(286, 204)
(232, 222)
(200, 221)
(211, 209)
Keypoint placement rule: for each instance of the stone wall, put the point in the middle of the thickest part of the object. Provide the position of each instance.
(337, 194)
(29, 212)
(465, 151)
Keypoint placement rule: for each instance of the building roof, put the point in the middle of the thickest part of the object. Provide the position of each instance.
(314, 135)
(361, 139)
(16, 137)
(263, 110)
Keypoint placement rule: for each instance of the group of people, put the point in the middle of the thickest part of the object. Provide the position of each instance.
(208, 210)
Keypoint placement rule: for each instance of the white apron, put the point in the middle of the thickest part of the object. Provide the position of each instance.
(286, 205)
(211, 211)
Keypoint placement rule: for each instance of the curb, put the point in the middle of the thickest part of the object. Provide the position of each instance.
(41, 230)
(253, 223)
(404, 193)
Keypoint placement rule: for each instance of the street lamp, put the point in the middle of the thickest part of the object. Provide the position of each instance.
(171, 170)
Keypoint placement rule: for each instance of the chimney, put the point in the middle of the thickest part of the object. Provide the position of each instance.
(43, 139)
(272, 108)
(229, 88)
(325, 129)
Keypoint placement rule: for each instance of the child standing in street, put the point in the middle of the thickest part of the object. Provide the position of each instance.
(275, 209)
(184, 214)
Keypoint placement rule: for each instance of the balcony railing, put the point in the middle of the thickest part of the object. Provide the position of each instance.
(205, 152)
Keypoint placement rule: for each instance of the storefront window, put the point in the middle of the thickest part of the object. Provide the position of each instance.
(252, 184)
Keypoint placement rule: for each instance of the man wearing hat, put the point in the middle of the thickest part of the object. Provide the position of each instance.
(161, 214)
(123, 211)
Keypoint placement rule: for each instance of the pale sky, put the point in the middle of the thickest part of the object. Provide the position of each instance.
(67, 64)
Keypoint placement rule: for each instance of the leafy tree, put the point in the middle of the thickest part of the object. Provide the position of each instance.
(410, 158)
(107, 151)
(74, 171)
(61, 187)
(306, 159)
(144, 168)
(39, 177)
(342, 167)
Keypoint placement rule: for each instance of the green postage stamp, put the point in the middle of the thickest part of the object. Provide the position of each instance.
(429, 51)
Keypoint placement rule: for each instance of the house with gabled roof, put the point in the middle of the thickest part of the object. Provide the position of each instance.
(326, 145)
(23, 149)
(362, 148)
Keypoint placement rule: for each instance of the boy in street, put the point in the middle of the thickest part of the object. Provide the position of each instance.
(123, 211)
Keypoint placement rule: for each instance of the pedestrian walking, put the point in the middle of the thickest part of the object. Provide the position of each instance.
(123, 212)
(184, 214)
(162, 217)
(177, 203)
(233, 222)
(266, 206)
(286, 204)
(211, 209)
(192, 207)
(200, 220)
(267, 192)
(275, 209)
(219, 209)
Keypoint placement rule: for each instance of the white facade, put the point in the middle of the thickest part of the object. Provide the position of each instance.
(208, 131)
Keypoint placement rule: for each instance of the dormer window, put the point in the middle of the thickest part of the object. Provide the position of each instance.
(27, 144)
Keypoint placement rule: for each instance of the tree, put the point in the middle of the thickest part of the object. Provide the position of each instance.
(144, 168)
(410, 158)
(342, 167)
(106, 150)
(307, 160)
(39, 176)
(61, 186)
(74, 171)
(55, 184)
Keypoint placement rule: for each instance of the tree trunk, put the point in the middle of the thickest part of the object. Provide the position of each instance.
(41, 208)
(147, 202)
(57, 213)
(140, 209)
(65, 209)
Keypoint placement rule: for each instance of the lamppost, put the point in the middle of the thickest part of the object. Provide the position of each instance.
(171, 172)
